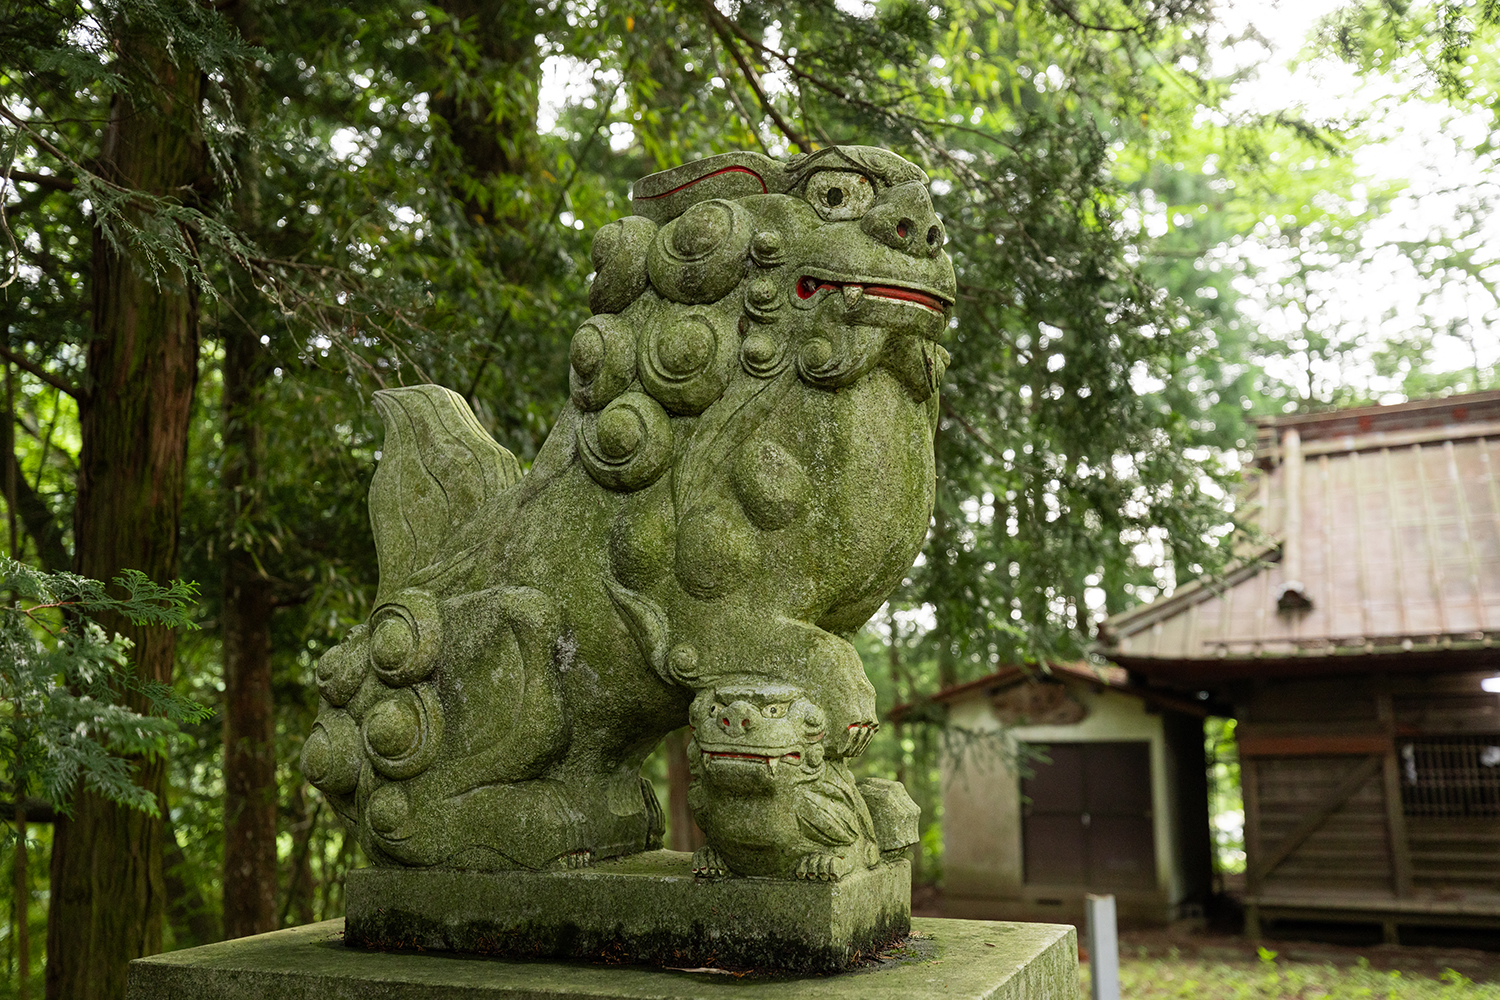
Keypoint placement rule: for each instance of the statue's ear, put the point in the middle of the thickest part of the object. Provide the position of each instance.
(437, 468)
(663, 196)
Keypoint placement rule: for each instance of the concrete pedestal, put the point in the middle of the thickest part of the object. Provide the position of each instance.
(645, 908)
(953, 959)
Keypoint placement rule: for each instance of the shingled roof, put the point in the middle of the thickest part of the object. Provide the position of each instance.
(1384, 530)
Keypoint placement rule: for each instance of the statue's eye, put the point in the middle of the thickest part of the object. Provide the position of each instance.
(773, 711)
(839, 195)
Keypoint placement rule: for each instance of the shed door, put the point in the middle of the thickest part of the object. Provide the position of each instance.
(1088, 818)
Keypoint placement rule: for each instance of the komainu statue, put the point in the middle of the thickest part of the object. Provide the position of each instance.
(743, 473)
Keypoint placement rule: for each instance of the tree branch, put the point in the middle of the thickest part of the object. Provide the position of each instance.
(51, 181)
(716, 20)
(31, 367)
(721, 25)
(1068, 12)
(37, 811)
(971, 430)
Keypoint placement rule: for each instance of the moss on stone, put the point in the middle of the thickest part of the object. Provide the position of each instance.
(952, 959)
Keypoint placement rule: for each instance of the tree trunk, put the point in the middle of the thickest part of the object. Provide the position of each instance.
(46, 534)
(22, 934)
(249, 709)
(108, 899)
(893, 662)
(301, 889)
(495, 133)
(939, 544)
(683, 832)
(191, 918)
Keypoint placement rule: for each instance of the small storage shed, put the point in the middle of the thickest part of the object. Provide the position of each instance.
(1361, 654)
(1119, 804)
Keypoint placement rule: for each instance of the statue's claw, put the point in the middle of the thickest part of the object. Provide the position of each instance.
(578, 859)
(708, 864)
(860, 734)
(823, 867)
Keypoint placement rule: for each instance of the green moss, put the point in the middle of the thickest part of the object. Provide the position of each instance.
(953, 959)
(646, 908)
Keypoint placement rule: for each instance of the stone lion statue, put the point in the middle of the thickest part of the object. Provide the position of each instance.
(743, 473)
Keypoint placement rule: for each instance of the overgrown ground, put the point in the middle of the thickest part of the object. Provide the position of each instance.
(1273, 979)
(1213, 968)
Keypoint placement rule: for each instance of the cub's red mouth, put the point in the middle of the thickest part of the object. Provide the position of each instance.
(853, 291)
(768, 761)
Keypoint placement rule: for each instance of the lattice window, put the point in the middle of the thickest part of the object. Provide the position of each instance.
(1451, 776)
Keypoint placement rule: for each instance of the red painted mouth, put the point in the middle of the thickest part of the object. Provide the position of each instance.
(810, 286)
(768, 761)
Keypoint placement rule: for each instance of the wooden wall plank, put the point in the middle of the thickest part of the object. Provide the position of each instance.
(1315, 819)
(1250, 795)
(1395, 814)
(1313, 745)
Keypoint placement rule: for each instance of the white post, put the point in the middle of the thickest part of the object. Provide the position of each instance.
(1103, 940)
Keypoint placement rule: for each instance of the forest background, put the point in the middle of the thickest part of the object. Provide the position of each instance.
(226, 225)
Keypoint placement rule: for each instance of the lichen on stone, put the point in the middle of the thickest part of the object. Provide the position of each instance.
(743, 472)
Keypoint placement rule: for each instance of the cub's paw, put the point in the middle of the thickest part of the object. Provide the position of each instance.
(859, 737)
(708, 864)
(823, 867)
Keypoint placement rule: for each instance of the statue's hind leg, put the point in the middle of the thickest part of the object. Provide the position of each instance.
(538, 824)
(440, 721)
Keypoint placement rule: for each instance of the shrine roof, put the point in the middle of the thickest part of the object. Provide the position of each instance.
(1388, 546)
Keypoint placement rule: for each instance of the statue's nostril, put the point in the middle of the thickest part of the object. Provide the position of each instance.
(933, 236)
(902, 227)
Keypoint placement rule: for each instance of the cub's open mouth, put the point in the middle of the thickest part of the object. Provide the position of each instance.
(853, 291)
(766, 760)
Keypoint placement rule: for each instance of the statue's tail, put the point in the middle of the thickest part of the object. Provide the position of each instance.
(437, 470)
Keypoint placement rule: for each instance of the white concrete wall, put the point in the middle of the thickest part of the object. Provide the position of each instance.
(982, 794)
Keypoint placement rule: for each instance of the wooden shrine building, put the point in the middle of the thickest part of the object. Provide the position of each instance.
(1360, 652)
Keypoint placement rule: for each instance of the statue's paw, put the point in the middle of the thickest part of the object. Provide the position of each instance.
(708, 864)
(860, 734)
(819, 867)
(578, 859)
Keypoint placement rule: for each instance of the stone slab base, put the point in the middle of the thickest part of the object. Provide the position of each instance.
(644, 908)
(953, 959)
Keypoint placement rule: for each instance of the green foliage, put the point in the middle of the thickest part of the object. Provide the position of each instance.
(383, 206)
(1226, 807)
(75, 710)
(1449, 41)
(65, 47)
(1274, 978)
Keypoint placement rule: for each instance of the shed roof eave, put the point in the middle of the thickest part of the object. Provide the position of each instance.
(1128, 623)
(1194, 674)
(1469, 401)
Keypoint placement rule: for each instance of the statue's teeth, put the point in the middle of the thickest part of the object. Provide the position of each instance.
(852, 294)
(771, 763)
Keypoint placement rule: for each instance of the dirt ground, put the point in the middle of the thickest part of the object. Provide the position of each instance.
(1192, 942)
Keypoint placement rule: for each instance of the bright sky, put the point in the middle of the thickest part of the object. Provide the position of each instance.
(1418, 141)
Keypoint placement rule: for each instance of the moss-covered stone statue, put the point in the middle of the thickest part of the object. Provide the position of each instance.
(745, 470)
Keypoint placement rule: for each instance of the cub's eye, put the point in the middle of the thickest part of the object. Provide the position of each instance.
(839, 195)
(774, 711)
